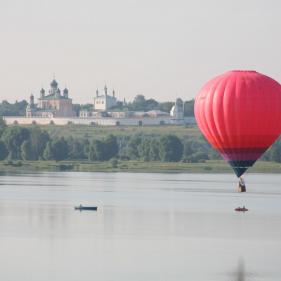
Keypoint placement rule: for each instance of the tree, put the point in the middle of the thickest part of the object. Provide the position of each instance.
(39, 141)
(76, 108)
(56, 150)
(144, 149)
(123, 147)
(16, 109)
(76, 149)
(86, 147)
(199, 150)
(60, 149)
(110, 147)
(151, 104)
(48, 152)
(154, 150)
(13, 137)
(166, 106)
(132, 147)
(187, 150)
(3, 126)
(3, 151)
(148, 149)
(198, 156)
(138, 103)
(96, 152)
(120, 106)
(189, 108)
(27, 152)
(170, 148)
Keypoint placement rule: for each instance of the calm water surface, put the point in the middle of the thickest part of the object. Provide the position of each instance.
(151, 227)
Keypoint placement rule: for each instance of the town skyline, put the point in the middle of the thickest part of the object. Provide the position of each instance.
(100, 91)
(55, 107)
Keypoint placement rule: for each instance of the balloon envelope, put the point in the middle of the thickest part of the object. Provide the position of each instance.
(239, 113)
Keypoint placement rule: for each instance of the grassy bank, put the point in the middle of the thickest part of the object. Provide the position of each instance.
(134, 166)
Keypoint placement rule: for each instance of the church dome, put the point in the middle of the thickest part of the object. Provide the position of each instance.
(54, 84)
(65, 93)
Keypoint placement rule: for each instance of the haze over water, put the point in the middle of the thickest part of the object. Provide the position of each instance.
(151, 227)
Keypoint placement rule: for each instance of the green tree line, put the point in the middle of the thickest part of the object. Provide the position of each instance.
(33, 143)
(13, 109)
(140, 103)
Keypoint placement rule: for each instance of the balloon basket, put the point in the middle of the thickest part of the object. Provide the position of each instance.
(241, 188)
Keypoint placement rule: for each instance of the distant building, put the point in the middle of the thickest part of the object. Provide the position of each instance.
(157, 113)
(104, 102)
(56, 108)
(85, 113)
(52, 105)
(177, 110)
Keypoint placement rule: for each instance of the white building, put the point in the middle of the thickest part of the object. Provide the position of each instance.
(109, 121)
(177, 111)
(105, 101)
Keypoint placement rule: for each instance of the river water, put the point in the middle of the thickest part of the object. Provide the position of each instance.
(148, 227)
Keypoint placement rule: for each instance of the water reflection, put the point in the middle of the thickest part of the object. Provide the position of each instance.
(148, 227)
(241, 273)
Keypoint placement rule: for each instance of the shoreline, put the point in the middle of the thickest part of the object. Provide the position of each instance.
(218, 166)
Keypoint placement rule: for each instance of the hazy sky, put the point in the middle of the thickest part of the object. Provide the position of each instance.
(161, 49)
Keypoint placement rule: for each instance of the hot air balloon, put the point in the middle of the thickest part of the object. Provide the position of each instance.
(239, 113)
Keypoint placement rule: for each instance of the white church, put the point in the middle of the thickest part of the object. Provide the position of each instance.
(102, 103)
(105, 101)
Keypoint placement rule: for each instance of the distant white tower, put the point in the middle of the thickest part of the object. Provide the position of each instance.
(177, 110)
(105, 101)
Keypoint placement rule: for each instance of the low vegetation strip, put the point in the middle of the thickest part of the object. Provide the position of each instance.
(163, 148)
(214, 166)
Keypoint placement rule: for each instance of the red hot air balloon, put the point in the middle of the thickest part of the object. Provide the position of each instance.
(239, 113)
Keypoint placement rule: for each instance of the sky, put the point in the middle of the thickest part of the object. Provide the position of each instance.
(160, 49)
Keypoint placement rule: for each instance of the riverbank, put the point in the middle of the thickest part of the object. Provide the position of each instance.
(218, 166)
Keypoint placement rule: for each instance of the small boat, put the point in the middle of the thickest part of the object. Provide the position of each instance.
(86, 208)
(241, 209)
